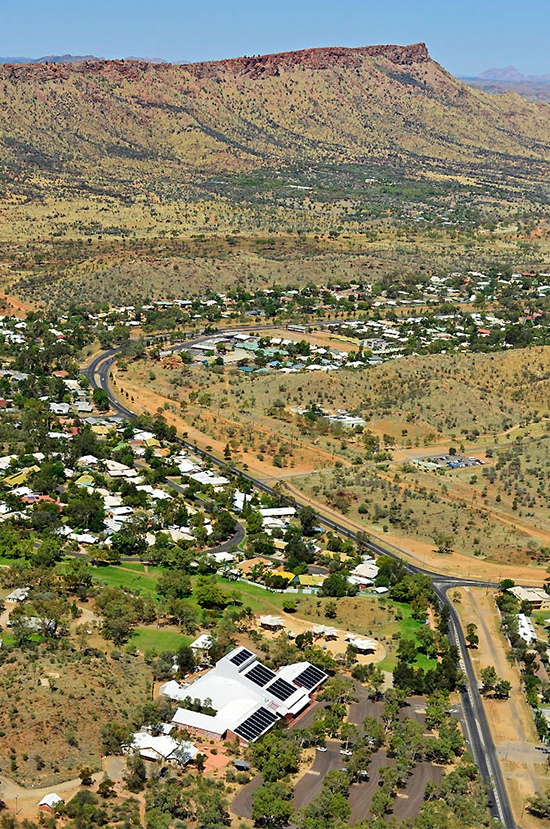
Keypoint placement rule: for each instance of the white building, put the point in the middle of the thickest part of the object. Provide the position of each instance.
(163, 748)
(248, 697)
(526, 629)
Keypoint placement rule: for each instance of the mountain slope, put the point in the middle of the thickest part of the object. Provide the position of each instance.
(117, 128)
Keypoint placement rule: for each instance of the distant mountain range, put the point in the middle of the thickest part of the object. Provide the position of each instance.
(75, 59)
(510, 79)
(508, 75)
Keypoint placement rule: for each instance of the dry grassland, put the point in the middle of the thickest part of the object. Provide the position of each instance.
(494, 406)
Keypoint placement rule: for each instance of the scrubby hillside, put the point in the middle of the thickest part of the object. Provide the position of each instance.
(122, 128)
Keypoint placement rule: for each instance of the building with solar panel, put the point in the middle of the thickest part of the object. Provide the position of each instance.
(247, 696)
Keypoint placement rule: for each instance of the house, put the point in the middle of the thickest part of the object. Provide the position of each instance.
(364, 574)
(311, 582)
(285, 574)
(278, 512)
(49, 802)
(222, 557)
(59, 408)
(209, 479)
(19, 478)
(20, 594)
(85, 481)
(526, 629)
(248, 697)
(119, 470)
(87, 460)
(82, 406)
(239, 500)
(537, 597)
(162, 748)
(247, 566)
(100, 429)
(201, 646)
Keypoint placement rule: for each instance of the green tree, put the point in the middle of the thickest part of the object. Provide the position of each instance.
(472, 638)
(275, 755)
(135, 774)
(375, 733)
(86, 512)
(406, 650)
(86, 776)
(174, 584)
(338, 689)
(224, 526)
(489, 678)
(323, 660)
(271, 806)
(309, 520)
(208, 594)
(336, 585)
(114, 735)
(502, 689)
(77, 575)
(106, 788)
(539, 805)
(101, 400)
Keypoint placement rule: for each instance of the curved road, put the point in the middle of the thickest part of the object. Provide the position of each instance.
(478, 734)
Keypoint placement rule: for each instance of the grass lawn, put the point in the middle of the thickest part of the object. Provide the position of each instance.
(408, 627)
(9, 562)
(364, 615)
(8, 639)
(137, 567)
(542, 618)
(161, 640)
(121, 577)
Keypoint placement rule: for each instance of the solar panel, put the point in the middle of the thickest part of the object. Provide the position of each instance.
(256, 724)
(311, 677)
(260, 675)
(240, 657)
(281, 689)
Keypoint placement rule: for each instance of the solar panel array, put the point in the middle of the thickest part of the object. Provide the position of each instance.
(241, 657)
(260, 675)
(256, 724)
(311, 677)
(281, 689)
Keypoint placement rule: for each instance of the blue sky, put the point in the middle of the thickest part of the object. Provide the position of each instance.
(465, 37)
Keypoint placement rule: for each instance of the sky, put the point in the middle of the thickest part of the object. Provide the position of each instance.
(466, 37)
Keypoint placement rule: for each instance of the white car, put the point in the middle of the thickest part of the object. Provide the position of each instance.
(346, 752)
(321, 748)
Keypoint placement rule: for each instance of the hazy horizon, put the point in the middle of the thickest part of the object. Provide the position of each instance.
(466, 38)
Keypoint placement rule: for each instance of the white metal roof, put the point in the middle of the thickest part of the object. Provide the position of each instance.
(235, 696)
(51, 800)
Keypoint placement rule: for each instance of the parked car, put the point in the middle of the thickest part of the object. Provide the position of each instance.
(346, 752)
(321, 748)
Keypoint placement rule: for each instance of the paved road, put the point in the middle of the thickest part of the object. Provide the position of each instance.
(477, 728)
(478, 732)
